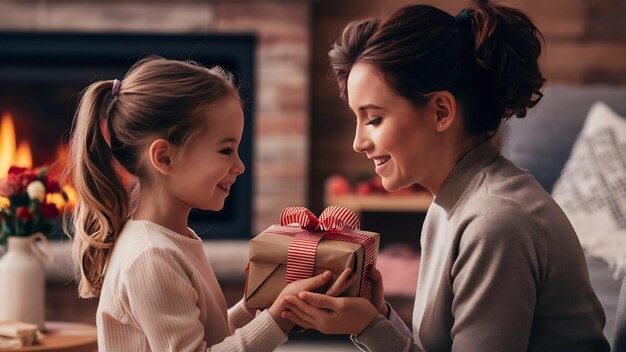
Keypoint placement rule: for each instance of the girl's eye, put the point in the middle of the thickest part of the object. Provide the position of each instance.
(374, 121)
(227, 151)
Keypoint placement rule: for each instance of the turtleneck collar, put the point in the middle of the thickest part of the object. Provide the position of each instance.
(463, 173)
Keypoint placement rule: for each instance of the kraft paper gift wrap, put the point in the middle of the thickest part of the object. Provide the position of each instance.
(303, 246)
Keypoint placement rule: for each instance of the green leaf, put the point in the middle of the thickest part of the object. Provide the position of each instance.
(6, 229)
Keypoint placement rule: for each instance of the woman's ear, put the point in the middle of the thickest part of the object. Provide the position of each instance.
(160, 156)
(444, 105)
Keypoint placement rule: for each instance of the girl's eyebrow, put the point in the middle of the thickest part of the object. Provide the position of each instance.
(228, 140)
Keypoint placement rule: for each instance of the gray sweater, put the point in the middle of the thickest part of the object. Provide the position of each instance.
(501, 270)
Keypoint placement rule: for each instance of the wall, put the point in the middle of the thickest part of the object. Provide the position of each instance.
(585, 44)
(282, 76)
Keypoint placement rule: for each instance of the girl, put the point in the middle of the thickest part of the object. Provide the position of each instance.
(175, 127)
(501, 267)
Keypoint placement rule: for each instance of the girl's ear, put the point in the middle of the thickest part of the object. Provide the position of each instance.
(444, 105)
(160, 156)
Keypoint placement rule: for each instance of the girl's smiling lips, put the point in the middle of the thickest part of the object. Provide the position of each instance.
(225, 186)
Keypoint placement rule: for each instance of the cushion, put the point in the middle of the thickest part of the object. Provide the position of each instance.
(541, 142)
(592, 187)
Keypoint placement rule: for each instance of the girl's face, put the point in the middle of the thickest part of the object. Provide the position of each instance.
(399, 137)
(209, 163)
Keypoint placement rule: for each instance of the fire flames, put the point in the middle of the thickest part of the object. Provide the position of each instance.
(14, 154)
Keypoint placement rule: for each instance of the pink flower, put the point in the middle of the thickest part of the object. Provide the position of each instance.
(24, 213)
(8, 187)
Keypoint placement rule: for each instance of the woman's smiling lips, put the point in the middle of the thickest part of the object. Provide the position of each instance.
(380, 161)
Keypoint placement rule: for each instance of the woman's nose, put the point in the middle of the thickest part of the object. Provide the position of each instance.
(361, 142)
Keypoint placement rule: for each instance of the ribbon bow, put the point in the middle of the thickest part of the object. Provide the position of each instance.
(332, 218)
(335, 223)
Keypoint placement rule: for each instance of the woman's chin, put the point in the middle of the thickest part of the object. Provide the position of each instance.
(388, 185)
(392, 186)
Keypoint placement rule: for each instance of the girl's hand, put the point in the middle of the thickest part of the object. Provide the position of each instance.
(330, 315)
(344, 281)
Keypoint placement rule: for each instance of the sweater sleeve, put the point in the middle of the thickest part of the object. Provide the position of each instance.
(382, 335)
(261, 334)
(238, 316)
(494, 279)
(162, 304)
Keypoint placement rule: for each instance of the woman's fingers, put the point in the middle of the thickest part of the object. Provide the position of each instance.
(378, 298)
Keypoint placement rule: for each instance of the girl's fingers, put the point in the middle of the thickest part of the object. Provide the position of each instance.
(319, 300)
(345, 280)
(304, 310)
(316, 282)
(297, 311)
(291, 316)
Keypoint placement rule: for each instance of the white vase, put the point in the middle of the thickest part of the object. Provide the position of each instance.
(23, 280)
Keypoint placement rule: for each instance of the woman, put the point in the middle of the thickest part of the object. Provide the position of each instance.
(501, 266)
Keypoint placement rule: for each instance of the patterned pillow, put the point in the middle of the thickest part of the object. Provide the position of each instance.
(592, 186)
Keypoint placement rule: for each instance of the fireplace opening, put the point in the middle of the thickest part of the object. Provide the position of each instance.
(42, 74)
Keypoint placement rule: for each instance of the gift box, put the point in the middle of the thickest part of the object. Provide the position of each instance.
(303, 246)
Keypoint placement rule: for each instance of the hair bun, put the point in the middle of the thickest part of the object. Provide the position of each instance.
(507, 45)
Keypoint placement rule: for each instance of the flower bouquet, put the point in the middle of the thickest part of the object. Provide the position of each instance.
(23, 207)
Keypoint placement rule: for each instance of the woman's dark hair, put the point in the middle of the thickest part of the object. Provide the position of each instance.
(486, 57)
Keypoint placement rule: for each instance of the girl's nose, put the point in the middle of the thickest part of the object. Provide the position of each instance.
(239, 167)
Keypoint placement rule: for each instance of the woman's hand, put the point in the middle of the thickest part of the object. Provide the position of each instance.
(330, 315)
(343, 282)
(378, 298)
(347, 315)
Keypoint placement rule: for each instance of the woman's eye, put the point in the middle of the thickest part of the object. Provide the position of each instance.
(374, 121)
(227, 151)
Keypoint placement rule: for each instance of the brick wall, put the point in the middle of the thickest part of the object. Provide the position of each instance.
(282, 70)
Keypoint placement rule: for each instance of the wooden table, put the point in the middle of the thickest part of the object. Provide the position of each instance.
(64, 336)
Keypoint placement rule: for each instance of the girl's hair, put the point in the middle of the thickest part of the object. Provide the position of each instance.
(158, 98)
(486, 57)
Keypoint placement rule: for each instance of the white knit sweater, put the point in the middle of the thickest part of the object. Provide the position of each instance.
(160, 294)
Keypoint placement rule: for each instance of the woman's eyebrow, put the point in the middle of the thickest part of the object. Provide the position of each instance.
(370, 107)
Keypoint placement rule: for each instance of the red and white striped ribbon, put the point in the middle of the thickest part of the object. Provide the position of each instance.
(335, 223)
(300, 216)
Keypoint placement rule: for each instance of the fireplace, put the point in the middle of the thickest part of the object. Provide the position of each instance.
(41, 75)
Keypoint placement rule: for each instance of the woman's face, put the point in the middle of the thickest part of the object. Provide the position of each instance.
(399, 137)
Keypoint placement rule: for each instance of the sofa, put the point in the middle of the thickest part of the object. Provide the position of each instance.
(543, 143)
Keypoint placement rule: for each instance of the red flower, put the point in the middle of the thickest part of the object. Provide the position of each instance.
(52, 186)
(16, 170)
(49, 210)
(26, 179)
(24, 213)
